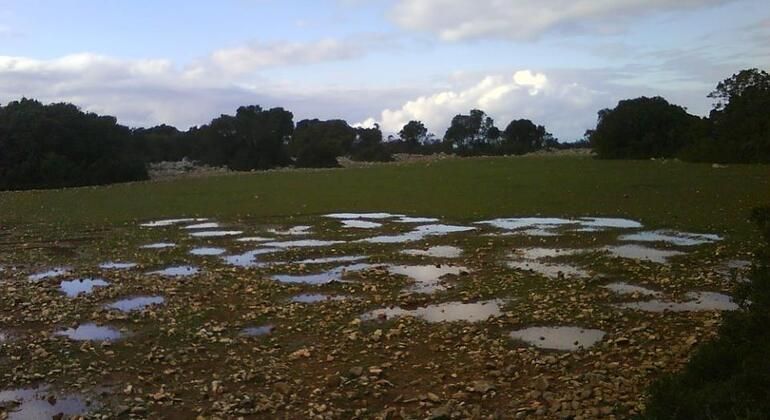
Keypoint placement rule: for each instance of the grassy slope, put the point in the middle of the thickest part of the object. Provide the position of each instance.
(670, 194)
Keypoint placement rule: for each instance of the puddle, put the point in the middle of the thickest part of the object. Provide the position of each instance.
(248, 259)
(327, 260)
(542, 226)
(736, 270)
(210, 225)
(353, 216)
(111, 265)
(304, 243)
(445, 312)
(177, 271)
(39, 403)
(159, 245)
(315, 298)
(608, 222)
(427, 277)
(550, 270)
(540, 253)
(435, 252)
(559, 338)
(419, 233)
(72, 288)
(527, 222)
(697, 301)
(207, 251)
(254, 239)
(257, 331)
(672, 237)
(3, 337)
(296, 231)
(322, 278)
(407, 219)
(622, 288)
(91, 332)
(215, 233)
(54, 272)
(639, 252)
(136, 303)
(171, 222)
(360, 224)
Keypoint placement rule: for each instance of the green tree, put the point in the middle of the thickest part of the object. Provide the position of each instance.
(317, 144)
(474, 133)
(523, 136)
(368, 146)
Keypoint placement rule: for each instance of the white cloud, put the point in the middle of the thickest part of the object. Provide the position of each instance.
(454, 20)
(566, 108)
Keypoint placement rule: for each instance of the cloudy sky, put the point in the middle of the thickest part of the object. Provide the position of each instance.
(388, 61)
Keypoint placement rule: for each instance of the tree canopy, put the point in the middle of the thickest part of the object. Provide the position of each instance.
(317, 144)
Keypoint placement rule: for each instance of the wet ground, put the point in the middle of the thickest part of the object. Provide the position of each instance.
(371, 315)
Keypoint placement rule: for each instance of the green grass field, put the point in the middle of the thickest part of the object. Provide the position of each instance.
(658, 193)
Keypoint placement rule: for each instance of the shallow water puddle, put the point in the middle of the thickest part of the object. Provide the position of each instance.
(315, 298)
(327, 260)
(171, 222)
(136, 303)
(295, 231)
(159, 245)
(248, 259)
(335, 275)
(435, 252)
(215, 233)
(304, 243)
(622, 288)
(39, 403)
(550, 270)
(360, 224)
(177, 271)
(735, 270)
(444, 312)
(91, 332)
(697, 301)
(209, 225)
(353, 216)
(544, 226)
(254, 239)
(639, 252)
(72, 288)
(408, 219)
(257, 331)
(559, 338)
(427, 277)
(672, 237)
(417, 234)
(112, 265)
(539, 253)
(204, 251)
(608, 222)
(54, 272)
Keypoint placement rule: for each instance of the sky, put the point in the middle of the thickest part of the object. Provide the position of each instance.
(556, 62)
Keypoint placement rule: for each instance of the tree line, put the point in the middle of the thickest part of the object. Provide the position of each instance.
(58, 145)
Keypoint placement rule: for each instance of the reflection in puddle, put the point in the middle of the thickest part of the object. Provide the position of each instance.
(539, 253)
(38, 403)
(91, 332)
(445, 312)
(207, 251)
(407, 219)
(360, 224)
(159, 245)
(629, 289)
(550, 270)
(177, 271)
(136, 303)
(435, 252)
(111, 265)
(526, 222)
(334, 275)
(639, 252)
(697, 301)
(72, 288)
(254, 239)
(247, 259)
(215, 233)
(296, 230)
(54, 272)
(426, 277)
(608, 222)
(735, 270)
(305, 243)
(419, 233)
(327, 260)
(171, 222)
(353, 216)
(315, 298)
(672, 237)
(210, 225)
(559, 338)
(257, 331)
(543, 226)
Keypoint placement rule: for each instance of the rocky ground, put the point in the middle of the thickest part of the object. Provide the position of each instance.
(416, 317)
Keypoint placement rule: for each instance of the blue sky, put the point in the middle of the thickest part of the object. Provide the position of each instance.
(386, 61)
